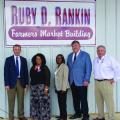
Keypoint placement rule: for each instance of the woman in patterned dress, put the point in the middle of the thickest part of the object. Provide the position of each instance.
(39, 97)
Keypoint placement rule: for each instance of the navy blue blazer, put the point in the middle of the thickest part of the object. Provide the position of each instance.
(80, 70)
(10, 76)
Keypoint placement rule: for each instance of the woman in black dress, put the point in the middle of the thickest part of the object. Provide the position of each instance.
(40, 80)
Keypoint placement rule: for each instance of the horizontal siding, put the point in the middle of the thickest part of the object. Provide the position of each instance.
(107, 33)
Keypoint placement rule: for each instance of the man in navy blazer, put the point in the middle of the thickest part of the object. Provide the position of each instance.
(80, 68)
(16, 81)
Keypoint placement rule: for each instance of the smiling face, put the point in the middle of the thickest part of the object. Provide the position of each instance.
(38, 60)
(59, 60)
(101, 51)
(75, 47)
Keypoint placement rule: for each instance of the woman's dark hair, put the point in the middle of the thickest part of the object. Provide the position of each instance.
(63, 59)
(42, 59)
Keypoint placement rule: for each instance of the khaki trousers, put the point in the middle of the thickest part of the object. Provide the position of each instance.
(104, 93)
(20, 100)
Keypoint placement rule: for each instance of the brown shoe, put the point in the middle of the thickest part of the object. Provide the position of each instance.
(11, 118)
(22, 118)
(99, 118)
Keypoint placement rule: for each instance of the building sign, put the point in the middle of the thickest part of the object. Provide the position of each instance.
(49, 22)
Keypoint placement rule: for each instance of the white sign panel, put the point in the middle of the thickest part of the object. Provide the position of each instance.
(49, 22)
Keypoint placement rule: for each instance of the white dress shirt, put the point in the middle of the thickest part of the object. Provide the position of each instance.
(106, 68)
(74, 55)
(19, 62)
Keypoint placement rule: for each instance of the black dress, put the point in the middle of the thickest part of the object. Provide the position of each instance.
(39, 102)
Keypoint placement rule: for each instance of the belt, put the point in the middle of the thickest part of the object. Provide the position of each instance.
(103, 80)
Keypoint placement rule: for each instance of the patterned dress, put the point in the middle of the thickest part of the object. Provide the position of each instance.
(39, 102)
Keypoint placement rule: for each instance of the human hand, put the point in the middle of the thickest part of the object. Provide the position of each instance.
(62, 91)
(85, 83)
(46, 90)
(26, 89)
(111, 81)
(7, 88)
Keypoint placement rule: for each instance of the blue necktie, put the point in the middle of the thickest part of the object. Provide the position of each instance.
(17, 67)
(74, 57)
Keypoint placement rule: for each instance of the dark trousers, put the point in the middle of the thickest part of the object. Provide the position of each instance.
(80, 102)
(62, 97)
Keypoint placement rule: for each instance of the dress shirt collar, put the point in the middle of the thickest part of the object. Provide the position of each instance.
(16, 56)
(18, 59)
(77, 53)
(102, 59)
(74, 55)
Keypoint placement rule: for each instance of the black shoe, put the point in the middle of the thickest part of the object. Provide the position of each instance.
(85, 118)
(57, 116)
(62, 118)
(75, 116)
(99, 118)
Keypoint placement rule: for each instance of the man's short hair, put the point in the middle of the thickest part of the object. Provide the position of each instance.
(74, 42)
(101, 46)
(17, 45)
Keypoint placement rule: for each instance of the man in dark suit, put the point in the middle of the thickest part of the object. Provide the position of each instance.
(16, 81)
(80, 67)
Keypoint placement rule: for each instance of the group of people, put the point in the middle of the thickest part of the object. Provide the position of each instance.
(75, 75)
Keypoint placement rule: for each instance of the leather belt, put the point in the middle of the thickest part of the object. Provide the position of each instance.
(103, 80)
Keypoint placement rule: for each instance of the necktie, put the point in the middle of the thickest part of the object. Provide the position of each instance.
(74, 57)
(17, 67)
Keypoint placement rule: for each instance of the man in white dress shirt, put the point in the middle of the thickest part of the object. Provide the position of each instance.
(106, 71)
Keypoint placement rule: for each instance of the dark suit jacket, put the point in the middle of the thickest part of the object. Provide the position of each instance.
(10, 76)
